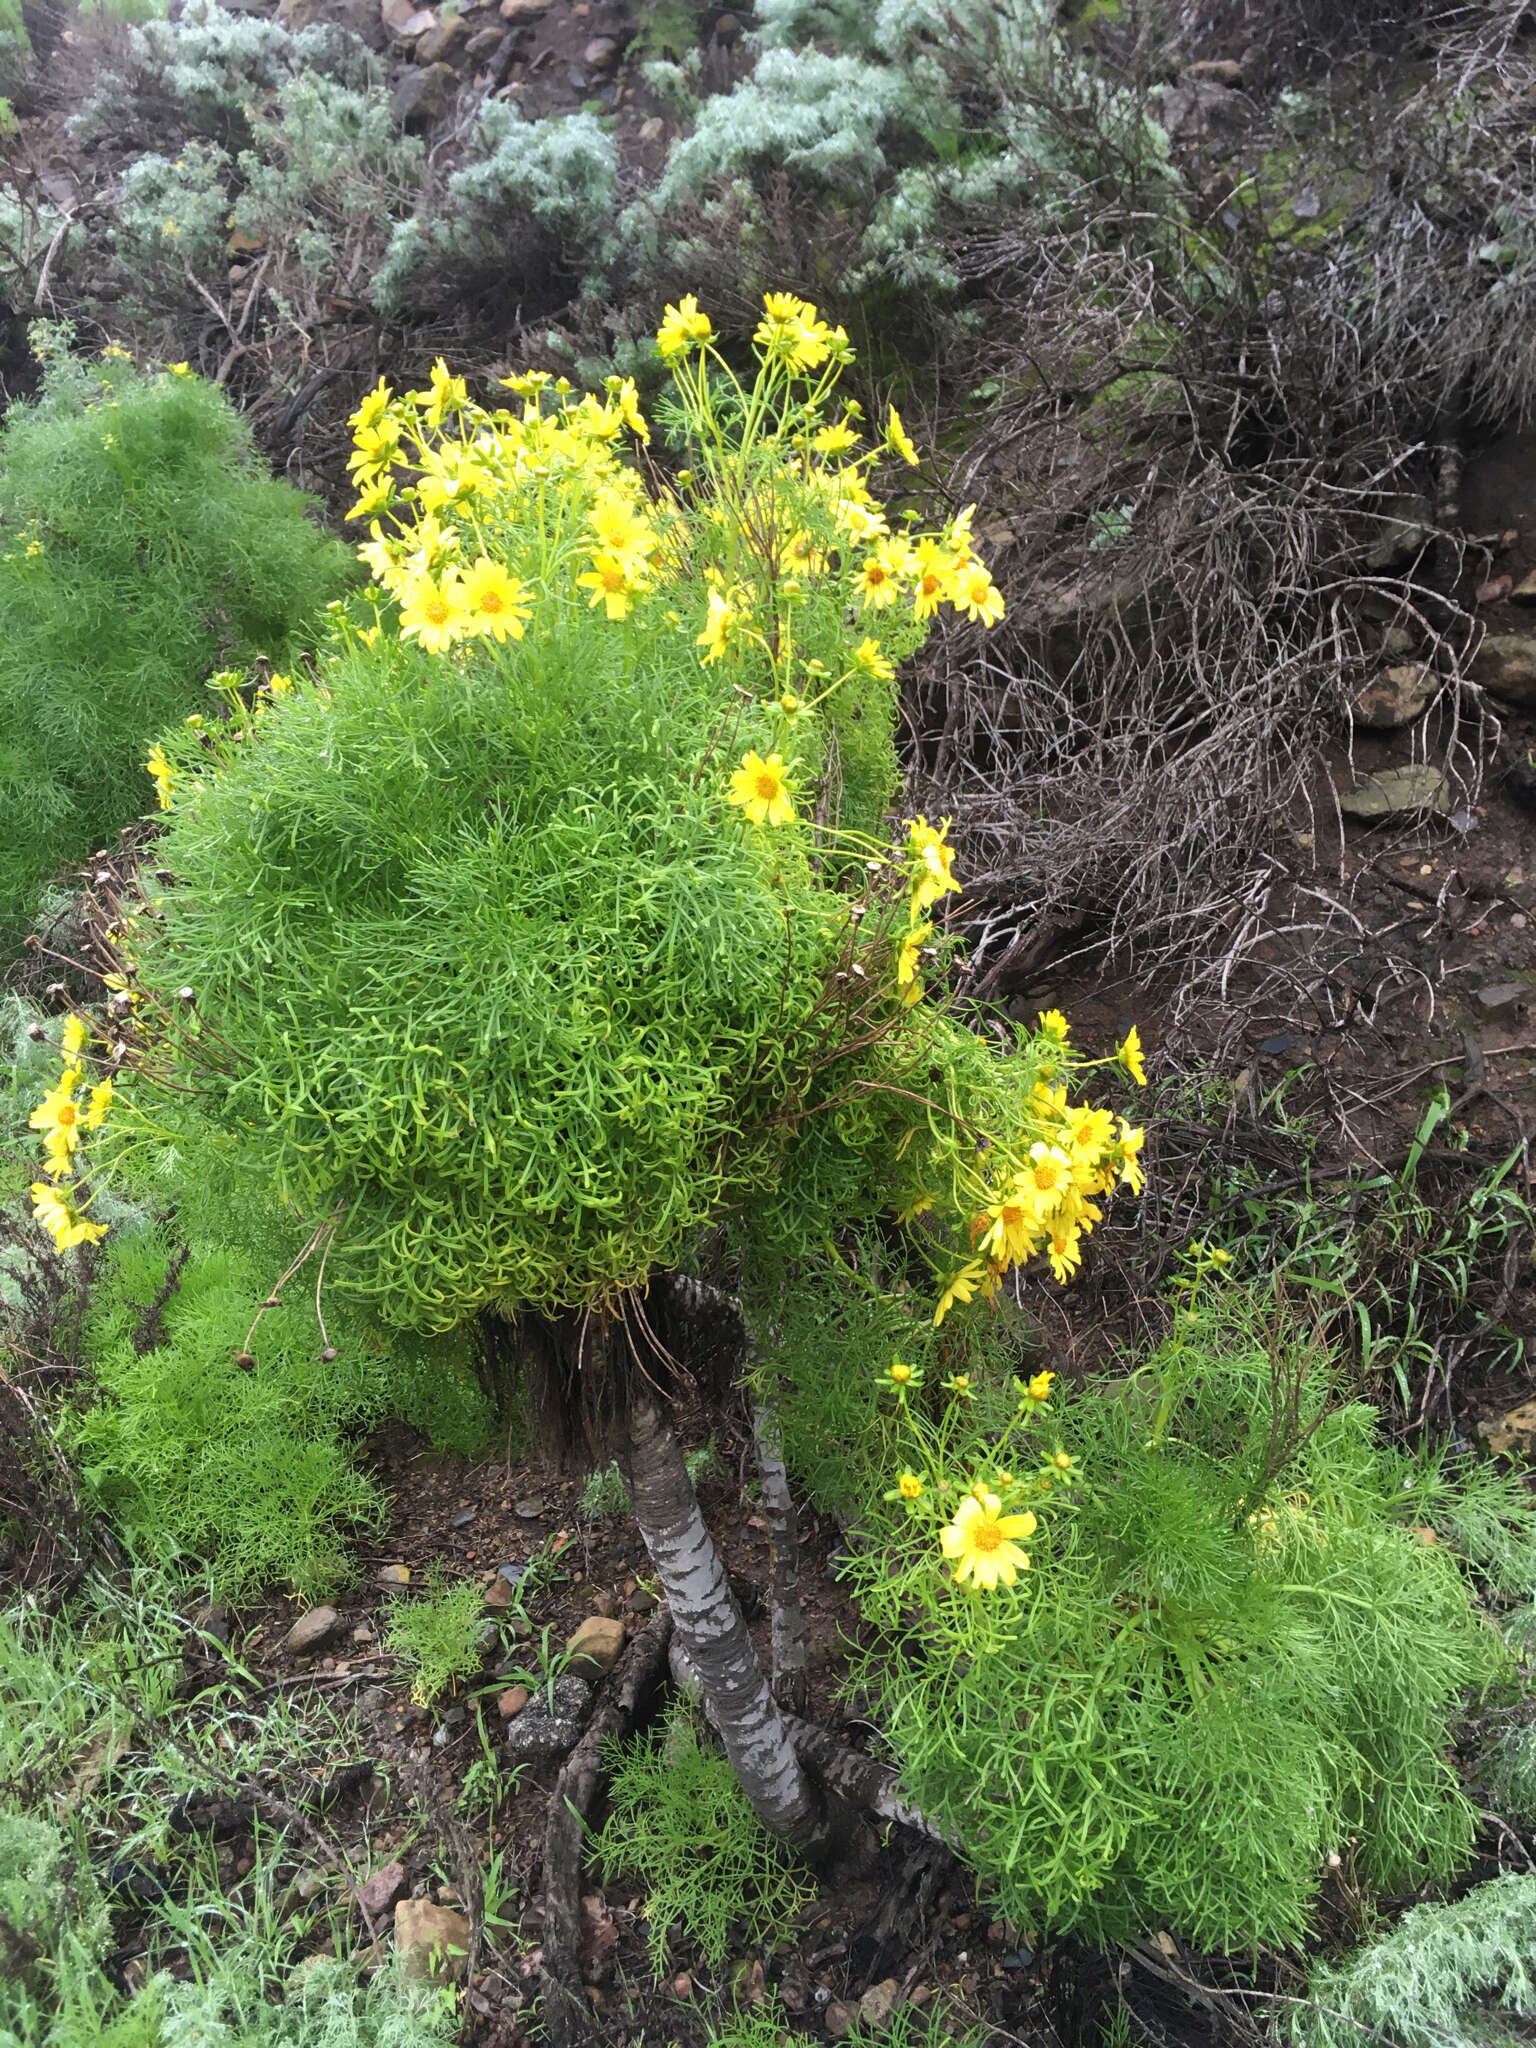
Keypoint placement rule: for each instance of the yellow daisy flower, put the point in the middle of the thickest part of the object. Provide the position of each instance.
(1129, 1056)
(761, 789)
(972, 591)
(497, 606)
(164, 775)
(683, 326)
(979, 1542)
(897, 438)
(611, 583)
(434, 613)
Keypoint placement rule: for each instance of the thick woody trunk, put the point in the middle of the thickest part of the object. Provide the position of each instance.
(789, 1681)
(711, 1630)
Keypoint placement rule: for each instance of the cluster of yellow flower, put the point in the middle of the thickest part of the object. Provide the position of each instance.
(1046, 1201)
(457, 482)
(63, 1117)
(979, 1535)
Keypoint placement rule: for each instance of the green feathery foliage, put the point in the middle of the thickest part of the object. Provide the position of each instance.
(251, 1469)
(140, 544)
(1233, 1652)
(436, 1635)
(680, 1823)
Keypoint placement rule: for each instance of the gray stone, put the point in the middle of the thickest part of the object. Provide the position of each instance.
(523, 10)
(536, 1733)
(435, 47)
(1216, 71)
(1401, 532)
(1392, 792)
(432, 1941)
(482, 44)
(1397, 696)
(840, 2020)
(1502, 1000)
(405, 19)
(378, 1893)
(1505, 663)
(424, 96)
(602, 53)
(879, 2002)
(311, 1631)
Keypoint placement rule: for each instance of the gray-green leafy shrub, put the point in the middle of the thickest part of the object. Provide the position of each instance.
(1234, 1653)
(203, 74)
(680, 1823)
(533, 199)
(141, 542)
(1459, 1975)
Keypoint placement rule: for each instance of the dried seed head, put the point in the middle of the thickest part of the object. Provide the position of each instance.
(186, 995)
(328, 1354)
(36, 1033)
(245, 1361)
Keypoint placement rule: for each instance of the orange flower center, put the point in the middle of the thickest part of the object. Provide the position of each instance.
(613, 577)
(931, 584)
(987, 1536)
(1045, 1176)
(767, 787)
(435, 610)
(874, 574)
(492, 601)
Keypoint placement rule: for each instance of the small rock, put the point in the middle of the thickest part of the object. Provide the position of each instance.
(378, 1893)
(499, 1594)
(1396, 697)
(404, 19)
(1501, 1000)
(395, 1575)
(727, 29)
(464, 1516)
(1396, 641)
(1391, 792)
(530, 1508)
(840, 2019)
(879, 2002)
(604, 1604)
(436, 45)
(512, 1701)
(652, 128)
(1495, 590)
(1217, 71)
(309, 1884)
(1524, 591)
(682, 1985)
(1401, 532)
(523, 10)
(598, 1643)
(212, 1622)
(423, 96)
(432, 1941)
(482, 44)
(1512, 1435)
(536, 1733)
(1505, 663)
(311, 1631)
(602, 53)
(640, 1602)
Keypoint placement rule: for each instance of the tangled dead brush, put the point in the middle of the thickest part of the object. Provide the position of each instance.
(1209, 409)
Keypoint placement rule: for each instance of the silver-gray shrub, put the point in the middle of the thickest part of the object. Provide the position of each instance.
(202, 72)
(1460, 1975)
(534, 194)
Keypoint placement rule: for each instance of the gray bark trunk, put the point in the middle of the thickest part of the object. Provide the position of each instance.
(789, 1677)
(711, 1629)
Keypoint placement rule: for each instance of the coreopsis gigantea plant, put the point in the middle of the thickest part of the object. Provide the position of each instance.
(555, 919)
